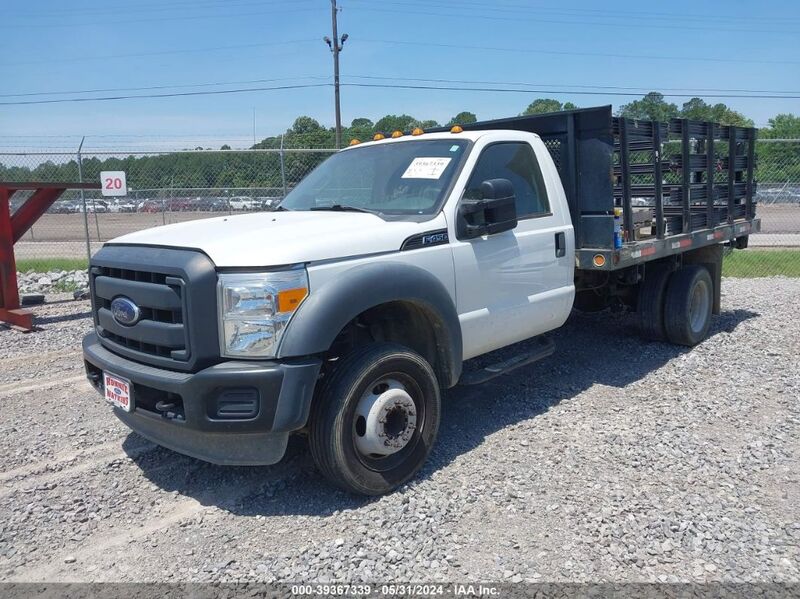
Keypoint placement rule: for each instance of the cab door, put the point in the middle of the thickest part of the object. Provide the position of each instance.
(514, 285)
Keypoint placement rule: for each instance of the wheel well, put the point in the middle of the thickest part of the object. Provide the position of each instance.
(407, 323)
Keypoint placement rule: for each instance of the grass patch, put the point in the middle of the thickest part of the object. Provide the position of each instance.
(747, 264)
(65, 286)
(48, 264)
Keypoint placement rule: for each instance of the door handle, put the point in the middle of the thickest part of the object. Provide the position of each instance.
(561, 245)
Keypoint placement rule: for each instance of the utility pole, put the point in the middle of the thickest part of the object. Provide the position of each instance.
(336, 47)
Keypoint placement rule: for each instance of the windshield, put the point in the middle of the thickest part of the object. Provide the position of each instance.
(406, 178)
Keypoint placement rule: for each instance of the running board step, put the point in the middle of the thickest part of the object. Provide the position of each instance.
(544, 348)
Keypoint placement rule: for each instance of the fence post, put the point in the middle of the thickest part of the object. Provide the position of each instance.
(163, 205)
(83, 203)
(283, 169)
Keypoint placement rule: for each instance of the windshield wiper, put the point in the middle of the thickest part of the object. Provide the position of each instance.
(342, 208)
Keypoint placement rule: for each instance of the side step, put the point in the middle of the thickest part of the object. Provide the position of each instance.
(544, 348)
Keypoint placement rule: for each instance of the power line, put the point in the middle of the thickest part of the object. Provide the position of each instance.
(169, 95)
(600, 13)
(148, 8)
(641, 88)
(562, 22)
(155, 87)
(391, 86)
(554, 91)
(157, 53)
(162, 19)
(569, 53)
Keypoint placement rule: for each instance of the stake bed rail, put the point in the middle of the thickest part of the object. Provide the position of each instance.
(680, 185)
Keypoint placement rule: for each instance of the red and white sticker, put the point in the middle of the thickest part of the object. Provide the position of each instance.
(117, 391)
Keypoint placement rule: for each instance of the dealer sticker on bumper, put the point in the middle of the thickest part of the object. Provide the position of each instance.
(117, 391)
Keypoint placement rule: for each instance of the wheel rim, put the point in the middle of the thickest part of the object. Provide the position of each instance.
(387, 421)
(698, 306)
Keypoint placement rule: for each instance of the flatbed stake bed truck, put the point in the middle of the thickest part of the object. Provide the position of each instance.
(344, 313)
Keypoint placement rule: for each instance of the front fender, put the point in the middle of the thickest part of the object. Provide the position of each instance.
(326, 311)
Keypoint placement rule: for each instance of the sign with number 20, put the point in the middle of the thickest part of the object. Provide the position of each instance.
(113, 183)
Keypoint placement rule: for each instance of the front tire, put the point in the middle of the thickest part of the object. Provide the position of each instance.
(375, 419)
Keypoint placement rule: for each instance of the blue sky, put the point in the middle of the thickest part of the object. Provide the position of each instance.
(53, 46)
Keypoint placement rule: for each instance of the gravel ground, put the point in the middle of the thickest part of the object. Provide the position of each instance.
(614, 460)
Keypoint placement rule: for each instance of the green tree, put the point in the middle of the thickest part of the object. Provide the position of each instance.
(777, 160)
(429, 124)
(463, 118)
(392, 122)
(785, 126)
(361, 129)
(697, 109)
(545, 105)
(652, 107)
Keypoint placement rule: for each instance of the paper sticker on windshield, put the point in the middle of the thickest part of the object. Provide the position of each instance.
(426, 168)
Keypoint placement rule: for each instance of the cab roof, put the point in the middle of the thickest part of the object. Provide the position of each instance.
(468, 135)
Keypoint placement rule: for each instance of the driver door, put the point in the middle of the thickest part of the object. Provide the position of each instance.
(516, 284)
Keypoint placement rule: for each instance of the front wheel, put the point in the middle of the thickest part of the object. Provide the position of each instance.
(375, 419)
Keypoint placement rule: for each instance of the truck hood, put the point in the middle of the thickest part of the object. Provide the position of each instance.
(281, 238)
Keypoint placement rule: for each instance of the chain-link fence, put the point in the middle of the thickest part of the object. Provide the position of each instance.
(163, 188)
(172, 187)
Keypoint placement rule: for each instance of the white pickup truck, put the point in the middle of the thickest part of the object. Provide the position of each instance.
(342, 314)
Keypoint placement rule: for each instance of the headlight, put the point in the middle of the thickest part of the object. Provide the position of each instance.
(254, 309)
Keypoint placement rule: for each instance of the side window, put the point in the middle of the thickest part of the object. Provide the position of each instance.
(515, 161)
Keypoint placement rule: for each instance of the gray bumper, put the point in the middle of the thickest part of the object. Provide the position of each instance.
(283, 390)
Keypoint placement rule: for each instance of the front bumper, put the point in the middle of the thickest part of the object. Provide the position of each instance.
(197, 425)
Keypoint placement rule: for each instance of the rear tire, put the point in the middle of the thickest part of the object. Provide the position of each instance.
(650, 303)
(380, 397)
(688, 305)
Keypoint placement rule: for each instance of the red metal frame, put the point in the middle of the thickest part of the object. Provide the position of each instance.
(12, 228)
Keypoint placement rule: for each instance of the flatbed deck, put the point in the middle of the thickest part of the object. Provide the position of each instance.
(679, 185)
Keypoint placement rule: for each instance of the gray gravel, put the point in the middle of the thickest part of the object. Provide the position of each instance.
(53, 281)
(613, 460)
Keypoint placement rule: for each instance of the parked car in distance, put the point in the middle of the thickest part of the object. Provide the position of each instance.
(242, 203)
(150, 206)
(63, 207)
(99, 206)
(122, 205)
(209, 205)
(267, 203)
(178, 204)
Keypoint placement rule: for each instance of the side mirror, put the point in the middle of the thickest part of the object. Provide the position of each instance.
(495, 212)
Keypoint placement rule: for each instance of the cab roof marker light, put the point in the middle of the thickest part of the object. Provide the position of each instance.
(417, 131)
(354, 142)
(456, 129)
(396, 134)
(378, 137)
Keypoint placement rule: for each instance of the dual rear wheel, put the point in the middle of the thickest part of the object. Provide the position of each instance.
(676, 306)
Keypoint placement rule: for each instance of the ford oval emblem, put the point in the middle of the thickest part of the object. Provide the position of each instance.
(125, 312)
